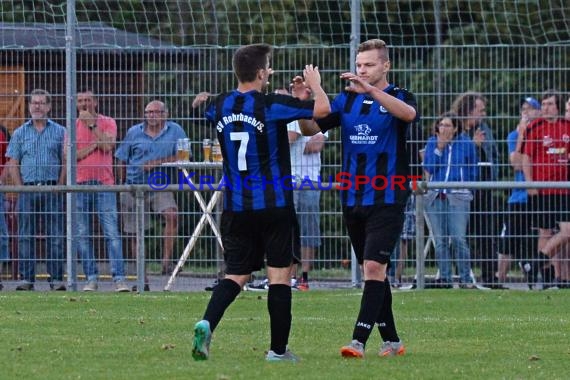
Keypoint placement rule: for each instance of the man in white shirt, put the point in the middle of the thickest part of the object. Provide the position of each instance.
(306, 166)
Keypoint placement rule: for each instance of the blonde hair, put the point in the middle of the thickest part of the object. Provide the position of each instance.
(375, 44)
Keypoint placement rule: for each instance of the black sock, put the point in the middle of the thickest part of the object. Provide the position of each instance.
(279, 306)
(547, 274)
(370, 306)
(545, 268)
(223, 295)
(386, 324)
(305, 277)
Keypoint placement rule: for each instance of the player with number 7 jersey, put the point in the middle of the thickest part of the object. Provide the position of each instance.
(258, 223)
(252, 129)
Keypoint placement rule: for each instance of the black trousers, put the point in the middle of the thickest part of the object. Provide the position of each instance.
(484, 223)
(518, 239)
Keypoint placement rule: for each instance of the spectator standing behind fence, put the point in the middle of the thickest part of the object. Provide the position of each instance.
(450, 156)
(36, 153)
(517, 238)
(306, 166)
(565, 257)
(545, 149)
(400, 252)
(471, 109)
(4, 239)
(374, 117)
(259, 216)
(144, 149)
(96, 135)
(416, 148)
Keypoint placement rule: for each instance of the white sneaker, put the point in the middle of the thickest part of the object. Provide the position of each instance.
(392, 349)
(258, 286)
(91, 286)
(288, 356)
(121, 287)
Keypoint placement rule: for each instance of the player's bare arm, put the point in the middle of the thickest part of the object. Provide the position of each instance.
(309, 127)
(200, 98)
(313, 80)
(394, 105)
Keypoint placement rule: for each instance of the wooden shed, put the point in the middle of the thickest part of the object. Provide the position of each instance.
(123, 68)
(109, 61)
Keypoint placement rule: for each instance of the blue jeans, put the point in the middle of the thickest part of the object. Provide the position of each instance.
(308, 215)
(4, 253)
(105, 204)
(33, 207)
(408, 233)
(449, 220)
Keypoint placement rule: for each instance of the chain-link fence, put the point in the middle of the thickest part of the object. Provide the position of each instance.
(130, 53)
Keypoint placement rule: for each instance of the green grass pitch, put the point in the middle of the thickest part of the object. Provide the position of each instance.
(449, 334)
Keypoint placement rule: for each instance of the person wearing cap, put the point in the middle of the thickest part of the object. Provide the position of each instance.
(516, 232)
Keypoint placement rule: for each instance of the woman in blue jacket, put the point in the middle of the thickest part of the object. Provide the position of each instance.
(450, 156)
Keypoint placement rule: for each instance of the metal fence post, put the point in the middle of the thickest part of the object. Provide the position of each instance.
(355, 271)
(420, 241)
(71, 154)
(139, 209)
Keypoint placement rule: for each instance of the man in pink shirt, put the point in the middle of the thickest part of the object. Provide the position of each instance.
(96, 135)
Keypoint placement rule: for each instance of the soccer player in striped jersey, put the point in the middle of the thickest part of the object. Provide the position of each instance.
(258, 216)
(374, 117)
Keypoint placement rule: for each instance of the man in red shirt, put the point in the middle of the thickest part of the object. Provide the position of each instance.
(96, 135)
(545, 150)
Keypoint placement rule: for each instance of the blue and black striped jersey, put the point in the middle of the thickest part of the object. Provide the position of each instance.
(252, 130)
(375, 157)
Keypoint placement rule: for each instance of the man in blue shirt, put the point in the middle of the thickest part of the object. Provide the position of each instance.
(517, 237)
(259, 215)
(36, 159)
(374, 117)
(144, 149)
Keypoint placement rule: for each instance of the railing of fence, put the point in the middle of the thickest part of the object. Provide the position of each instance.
(197, 254)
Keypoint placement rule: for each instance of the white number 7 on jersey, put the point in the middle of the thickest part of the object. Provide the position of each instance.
(243, 138)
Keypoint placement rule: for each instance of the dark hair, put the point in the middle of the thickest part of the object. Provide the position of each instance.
(465, 103)
(454, 119)
(375, 44)
(39, 91)
(249, 59)
(559, 99)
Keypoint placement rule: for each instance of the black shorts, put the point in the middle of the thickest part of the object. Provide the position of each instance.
(374, 231)
(549, 210)
(251, 236)
(518, 237)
